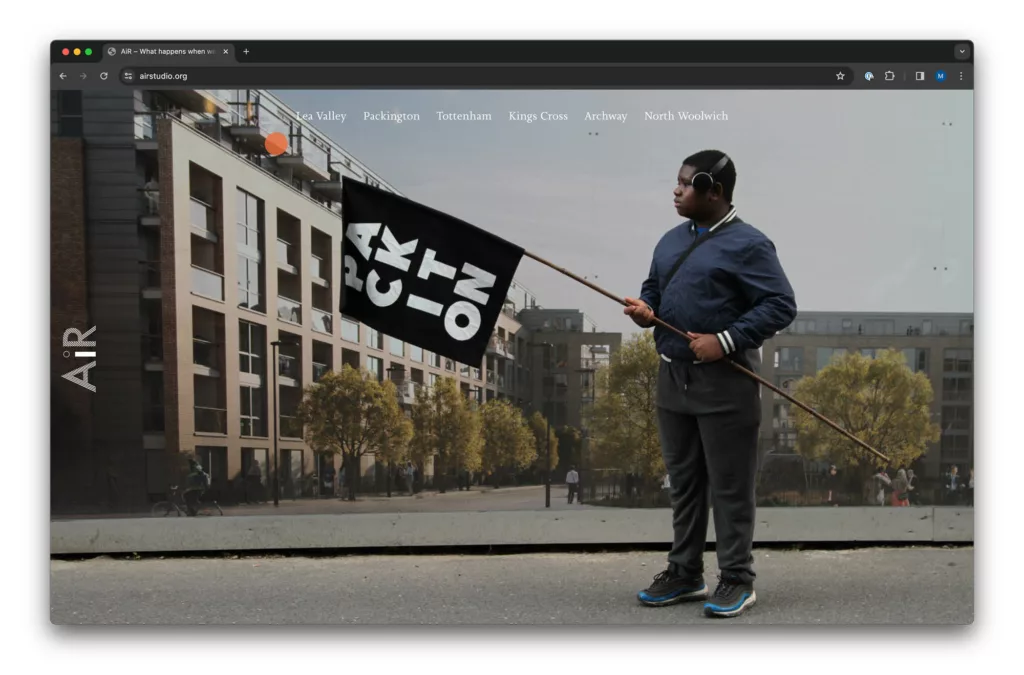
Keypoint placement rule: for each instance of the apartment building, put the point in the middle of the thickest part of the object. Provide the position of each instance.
(191, 252)
(940, 345)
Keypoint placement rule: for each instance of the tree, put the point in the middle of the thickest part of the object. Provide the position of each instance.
(508, 442)
(352, 414)
(624, 429)
(445, 428)
(539, 427)
(394, 442)
(880, 401)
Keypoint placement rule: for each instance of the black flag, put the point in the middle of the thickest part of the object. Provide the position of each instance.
(420, 275)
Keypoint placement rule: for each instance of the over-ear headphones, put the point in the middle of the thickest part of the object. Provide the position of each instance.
(705, 180)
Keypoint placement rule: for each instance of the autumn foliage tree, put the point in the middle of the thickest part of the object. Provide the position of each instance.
(880, 400)
(538, 425)
(446, 428)
(508, 442)
(624, 420)
(352, 414)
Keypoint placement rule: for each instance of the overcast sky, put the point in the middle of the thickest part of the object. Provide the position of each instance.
(868, 196)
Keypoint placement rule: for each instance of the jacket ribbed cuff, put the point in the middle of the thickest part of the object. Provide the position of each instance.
(724, 339)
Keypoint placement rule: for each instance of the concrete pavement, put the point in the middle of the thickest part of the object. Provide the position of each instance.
(569, 525)
(867, 586)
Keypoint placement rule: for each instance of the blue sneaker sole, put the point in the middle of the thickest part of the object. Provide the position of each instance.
(729, 612)
(688, 596)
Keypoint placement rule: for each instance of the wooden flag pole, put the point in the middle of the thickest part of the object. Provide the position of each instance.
(749, 373)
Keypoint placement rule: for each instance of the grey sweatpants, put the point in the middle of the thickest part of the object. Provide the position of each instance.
(708, 420)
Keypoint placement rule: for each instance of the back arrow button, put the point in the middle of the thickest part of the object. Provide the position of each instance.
(63, 76)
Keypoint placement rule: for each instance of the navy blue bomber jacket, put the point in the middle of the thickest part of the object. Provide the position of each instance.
(731, 286)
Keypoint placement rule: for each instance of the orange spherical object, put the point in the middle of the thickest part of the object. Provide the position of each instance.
(276, 144)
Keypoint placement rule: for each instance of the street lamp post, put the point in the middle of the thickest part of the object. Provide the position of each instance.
(547, 438)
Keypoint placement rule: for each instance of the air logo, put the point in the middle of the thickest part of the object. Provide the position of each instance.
(75, 339)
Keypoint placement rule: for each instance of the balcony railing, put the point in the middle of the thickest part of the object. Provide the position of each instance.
(312, 151)
(207, 283)
(319, 370)
(464, 371)
(201, 216)
(289, 310)
(501, 381)
(501, 347)
(288, 366)
(490, 377)
(211, 420)
(476, 374)
(284, 249)
(322, 321)
(150, 201)
(290, 427)
(349, 330)
(204, 353)
(317, 269)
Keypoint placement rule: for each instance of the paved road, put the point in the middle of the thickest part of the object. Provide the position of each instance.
(867, 586)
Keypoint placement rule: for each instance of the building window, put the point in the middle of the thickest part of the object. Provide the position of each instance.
(827, 354)
(957, 361)
(250, 285)
(249, 219)
(957, 388)
(376, 367)
(433, 379)
(416, 353)
(396, 347)
(257, 457)
(252, 412)
(956, 418)
(804, 326)
(435, 360)
(781, 419)
(786, 383)
(789, 359)
(69, 114)
(349, 330)
(251, 346)
(374, 338)
(917, 359)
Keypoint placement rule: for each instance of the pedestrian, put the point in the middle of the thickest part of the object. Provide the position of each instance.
(970, 487)
(900, 490)
(328, 478)
(197, 482)
(912, 488)
(953, 486)
(410, 477)
(832, 485)
(572, 480)
(878, 485)
(720, 279)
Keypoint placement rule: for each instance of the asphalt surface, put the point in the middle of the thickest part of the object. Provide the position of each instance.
(863, 586)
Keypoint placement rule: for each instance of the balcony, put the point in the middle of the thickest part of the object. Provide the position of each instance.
(322, 321)
(290, 427)
(319, 370)
(149, 204)
(490, 377)
(210, 101)
(499, 347)
(153, 352)
(318, 271)
(289, 370)
(211, 420)
(407, 391)
(284, 249)
(501, 381)
(207, 283)
(308, 157)
(476, 374)
(289, 310)
(149, 279)
(203, 219)
(254, 121)
(204, 357)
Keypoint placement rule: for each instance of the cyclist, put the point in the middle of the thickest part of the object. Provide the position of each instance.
(196, 483)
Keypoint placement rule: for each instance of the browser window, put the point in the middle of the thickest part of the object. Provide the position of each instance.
(386, 281)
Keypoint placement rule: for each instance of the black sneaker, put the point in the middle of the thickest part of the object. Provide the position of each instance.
(731, 598)
(669, 588)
